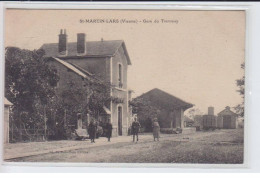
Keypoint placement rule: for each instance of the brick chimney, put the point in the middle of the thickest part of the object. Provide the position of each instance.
(227, 108)
(211, 111)
(81, 43)
(63, 42)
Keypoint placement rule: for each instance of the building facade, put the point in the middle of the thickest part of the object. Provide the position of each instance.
(7, 105)
(170, 109)
(227, 119)
(106, 61)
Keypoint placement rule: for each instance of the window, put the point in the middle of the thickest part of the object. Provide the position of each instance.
(120, 83)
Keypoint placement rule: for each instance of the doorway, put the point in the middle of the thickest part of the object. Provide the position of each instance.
(227, 122)
(119, 120)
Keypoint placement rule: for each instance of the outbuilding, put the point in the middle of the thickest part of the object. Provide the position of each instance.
(227, 119)
(170, 109)
(7, 105)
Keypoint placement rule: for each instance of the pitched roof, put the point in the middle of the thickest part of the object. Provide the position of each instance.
(187, 119)
(227, 111)
(94, 49)
(72, 68)
(164, 99)
(7, 102)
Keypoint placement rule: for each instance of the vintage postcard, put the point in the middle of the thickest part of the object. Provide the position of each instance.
(124, 86)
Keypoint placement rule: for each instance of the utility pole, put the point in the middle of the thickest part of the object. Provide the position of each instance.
(65, 119)
(45, 126)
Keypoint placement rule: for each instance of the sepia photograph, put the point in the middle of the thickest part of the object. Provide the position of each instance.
(124, 86)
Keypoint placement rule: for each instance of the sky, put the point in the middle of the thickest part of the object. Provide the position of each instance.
(195, 56)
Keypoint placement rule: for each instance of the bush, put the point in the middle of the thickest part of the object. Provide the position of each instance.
(167, 131)
(197, 128)
(205, 128)
(179, 130)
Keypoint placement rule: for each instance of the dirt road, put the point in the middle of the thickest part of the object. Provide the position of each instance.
(220, 146)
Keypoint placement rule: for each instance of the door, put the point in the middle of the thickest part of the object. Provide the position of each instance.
(226, 122)
(119, 120)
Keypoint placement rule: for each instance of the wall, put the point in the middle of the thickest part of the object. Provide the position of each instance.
(179, 118)
(6, 124)
(166, 119)
(233, 122)
(107, 69)
(169, 119)
(67, 76)
(220, 122)
(198, 121)
(120, 58)
(209, 121)
(98, 66)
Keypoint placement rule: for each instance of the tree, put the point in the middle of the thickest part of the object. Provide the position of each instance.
(192, 112)
(29, 85)
(145, 112)
(90, 97)
(241, 85)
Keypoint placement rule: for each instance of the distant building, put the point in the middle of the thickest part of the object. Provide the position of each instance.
(227, 119)
(198, 121)
(104, 60)
(171, 109)
(7, 105)
(209, 120)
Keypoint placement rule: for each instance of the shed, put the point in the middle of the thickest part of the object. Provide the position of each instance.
(227, 119)
(171, 109)
(7, 105)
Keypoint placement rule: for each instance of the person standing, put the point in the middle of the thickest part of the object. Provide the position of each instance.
(156, 129)
(109, 128)
(92, 130)
(135, 129)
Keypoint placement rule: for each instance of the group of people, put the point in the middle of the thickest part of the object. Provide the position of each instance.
(92, 130)
(136, 129)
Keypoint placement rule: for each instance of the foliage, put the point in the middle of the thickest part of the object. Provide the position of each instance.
(29, 85)
(241, 85)
(145, 112)
(167, 131)
(90, 97)
(192, 112)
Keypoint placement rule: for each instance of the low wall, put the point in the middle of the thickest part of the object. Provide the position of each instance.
(188, 130)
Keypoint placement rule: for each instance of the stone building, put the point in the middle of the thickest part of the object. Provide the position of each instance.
(104, 60)
(170, 108)
(227, 119)
(7, 105)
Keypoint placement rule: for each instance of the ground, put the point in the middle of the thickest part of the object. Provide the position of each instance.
(219, 146)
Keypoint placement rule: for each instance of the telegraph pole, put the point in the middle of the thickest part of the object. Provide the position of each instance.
(65, 118)
(45, 126)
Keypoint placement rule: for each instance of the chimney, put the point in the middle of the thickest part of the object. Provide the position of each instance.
(63, 42)
(211, 111)
(81, 43)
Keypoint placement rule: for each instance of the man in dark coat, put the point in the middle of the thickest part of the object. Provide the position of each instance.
(92, 130)
(135, 129)
(109, 128)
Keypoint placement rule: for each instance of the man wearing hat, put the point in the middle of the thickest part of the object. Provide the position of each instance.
(135, 128)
